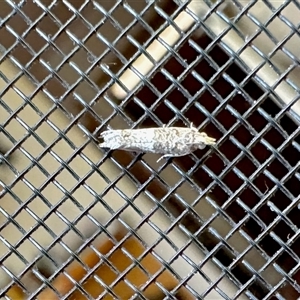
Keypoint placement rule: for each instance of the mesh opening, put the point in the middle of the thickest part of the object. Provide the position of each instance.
(80, 222)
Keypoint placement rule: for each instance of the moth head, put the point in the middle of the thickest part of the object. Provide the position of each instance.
(203, 139)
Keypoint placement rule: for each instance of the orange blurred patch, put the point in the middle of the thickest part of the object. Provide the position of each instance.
(137, 275)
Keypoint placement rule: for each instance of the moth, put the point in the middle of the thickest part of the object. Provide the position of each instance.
(168, 141)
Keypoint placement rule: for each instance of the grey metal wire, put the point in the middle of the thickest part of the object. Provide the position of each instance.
(259, 223)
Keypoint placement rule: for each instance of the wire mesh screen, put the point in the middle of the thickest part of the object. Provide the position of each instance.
(81, 222)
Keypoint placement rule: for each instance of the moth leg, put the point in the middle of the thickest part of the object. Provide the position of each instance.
(193, 127)
(172, 155)
(164, 156)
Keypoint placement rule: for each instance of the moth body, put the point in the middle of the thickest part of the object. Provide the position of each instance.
(169, 141)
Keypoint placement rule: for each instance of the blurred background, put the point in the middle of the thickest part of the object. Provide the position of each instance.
(79, 222)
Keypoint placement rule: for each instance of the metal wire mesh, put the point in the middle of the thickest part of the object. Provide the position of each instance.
(79, 222)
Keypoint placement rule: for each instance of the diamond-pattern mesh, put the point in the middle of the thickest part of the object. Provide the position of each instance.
(79, 222)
